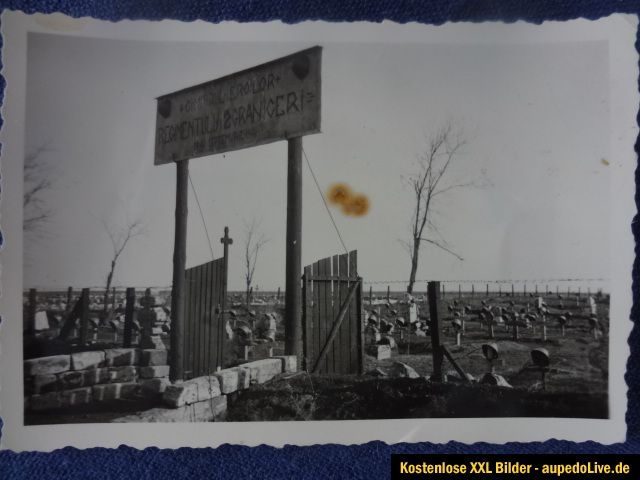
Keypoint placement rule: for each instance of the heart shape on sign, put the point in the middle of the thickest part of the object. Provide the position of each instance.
(164, 107)
(300, 66)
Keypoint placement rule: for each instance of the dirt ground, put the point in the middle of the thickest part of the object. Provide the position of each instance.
(306, 397)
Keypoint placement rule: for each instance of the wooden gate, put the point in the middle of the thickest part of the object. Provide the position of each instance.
(204, 305)
(332, 316)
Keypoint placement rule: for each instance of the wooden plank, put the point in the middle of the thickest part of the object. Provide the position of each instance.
(314, 319)
(216, 318)
(217, 347)
(336, 325)
(323, 313)
(186, 329)
(206, 294)
(355, 314)
(195, 314)
(360, 327)
(307, 318)
(215, 340)
(223, 269)
(201, 319)
(455, 364)
(202, 341)
(328, 313)
(336, 349)
(207, 319)
(318, 328)
(189, 353)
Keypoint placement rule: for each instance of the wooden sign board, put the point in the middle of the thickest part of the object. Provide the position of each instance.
(274, 101)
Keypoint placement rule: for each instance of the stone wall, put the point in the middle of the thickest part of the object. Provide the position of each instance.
(80, 378)
(95, 376)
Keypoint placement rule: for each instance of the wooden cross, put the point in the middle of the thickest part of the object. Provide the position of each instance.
(226, 241)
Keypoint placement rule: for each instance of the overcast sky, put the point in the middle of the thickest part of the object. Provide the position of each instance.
(536, 122)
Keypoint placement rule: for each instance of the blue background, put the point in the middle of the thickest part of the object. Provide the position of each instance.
(371, 460)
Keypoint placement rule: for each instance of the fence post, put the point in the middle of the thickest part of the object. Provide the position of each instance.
(84, 315)
(487, 290)
(278, 297)
(459, 291)
(536, 289)
(69, 299)
(30, 321)
(433, 291)
(472, 290)
(442, 290)
(370, 295)
(524, 290)
(512, 290)
(129, 311)
(113, 298)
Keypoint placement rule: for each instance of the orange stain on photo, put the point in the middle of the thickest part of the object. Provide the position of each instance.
(357, 206)
(353, 204)
(339, 194)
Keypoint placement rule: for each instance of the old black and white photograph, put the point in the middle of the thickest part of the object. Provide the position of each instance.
(272, 230)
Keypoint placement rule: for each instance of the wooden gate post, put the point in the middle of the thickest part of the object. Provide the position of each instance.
(293, 267)
(84, 315)
(129, 310)
(436, 345)
(176, 361)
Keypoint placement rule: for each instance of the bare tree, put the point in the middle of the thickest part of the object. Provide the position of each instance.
(37, 182)
(428, 183)
(120, 238)
(253, 243)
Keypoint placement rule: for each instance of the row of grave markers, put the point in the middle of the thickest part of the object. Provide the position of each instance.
(77, 317)
(578, 293)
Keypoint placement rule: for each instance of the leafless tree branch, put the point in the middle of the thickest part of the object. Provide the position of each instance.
(428, 183)
(120, 237)
(254, 241)
(38, 180)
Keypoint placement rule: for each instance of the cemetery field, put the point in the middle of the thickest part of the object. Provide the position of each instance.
(578, 361)
(398, 361)
(576, 381)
